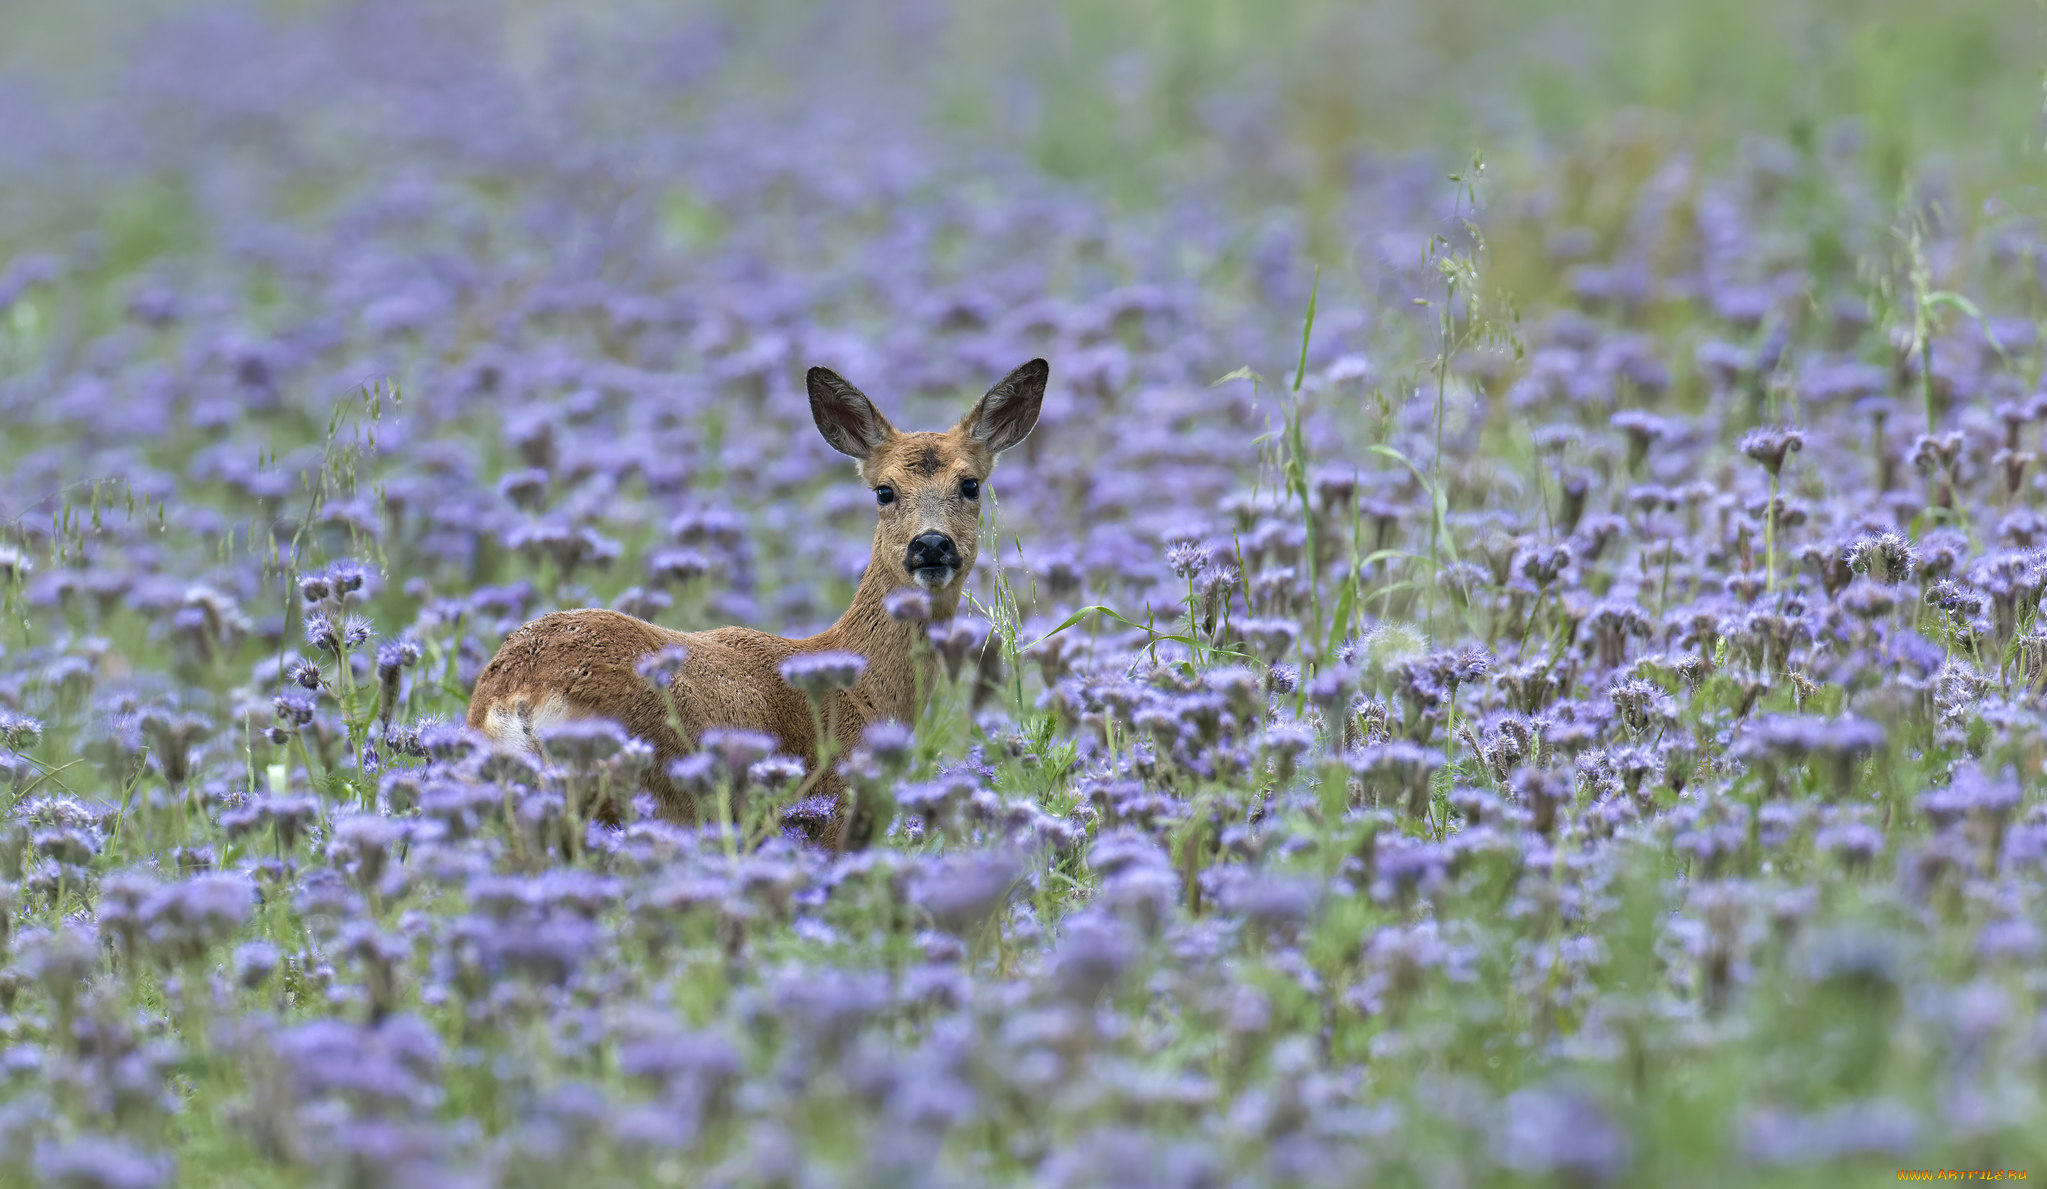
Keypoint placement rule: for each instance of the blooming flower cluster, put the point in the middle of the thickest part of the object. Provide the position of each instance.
(1600, 749)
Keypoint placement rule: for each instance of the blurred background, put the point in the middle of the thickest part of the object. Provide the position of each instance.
(1282, 102)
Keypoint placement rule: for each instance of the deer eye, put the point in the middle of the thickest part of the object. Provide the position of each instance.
(970, 488)
(884, 495)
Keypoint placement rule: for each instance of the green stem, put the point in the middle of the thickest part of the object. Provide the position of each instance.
(1770, 538)
(1663, 591)
(726, 828)
(1926, 381)
(1449, 759)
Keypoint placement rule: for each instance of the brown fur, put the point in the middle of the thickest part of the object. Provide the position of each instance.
(584, 663)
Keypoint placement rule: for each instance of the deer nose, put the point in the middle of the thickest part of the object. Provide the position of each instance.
(930, 551)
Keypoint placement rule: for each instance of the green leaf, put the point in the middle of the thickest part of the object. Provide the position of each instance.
(1242, 373)
(1301, 372)
(1944, 297)
(1442, 502)
(1346, 596)
(1069, 621)
(1111, 613)
(1389, 554)
(1407, 462)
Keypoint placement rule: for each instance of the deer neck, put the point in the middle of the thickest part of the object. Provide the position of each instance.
(901, 666)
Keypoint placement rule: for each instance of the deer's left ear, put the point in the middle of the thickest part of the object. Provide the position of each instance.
(1007, 413)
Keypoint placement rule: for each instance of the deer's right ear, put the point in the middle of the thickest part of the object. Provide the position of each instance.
(844, 415)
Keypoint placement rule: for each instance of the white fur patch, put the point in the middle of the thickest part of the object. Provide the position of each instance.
(516, 726)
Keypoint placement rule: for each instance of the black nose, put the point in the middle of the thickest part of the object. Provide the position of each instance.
(932, 549)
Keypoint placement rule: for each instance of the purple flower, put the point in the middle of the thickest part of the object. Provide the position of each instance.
(1886, 557)
(253, 964)
(956, 639)
(393, 1064)
(568, 547)
(1269, 902)
(661, 669)
(1855, 1130)
(1540, 565)
(775, 774)
(19, 730)
(1404, 866)
(1972, 791)
(322, 633)
(395, 655)
(1558, 1130)
(1186, 556)
(1093, 950)
(1399, 767)
(1855, 843)
(1866, 600)
(887, 740)
(346, 577)
(737, 751)
(701, 1061)
(907, 605)
(61, 960)
(962, 891)
(1769, 446)
(1839, 742)
(99, 1162)
(819, 673)
(1271, 638)
(305, 673)
(293, 709)
(677, 566)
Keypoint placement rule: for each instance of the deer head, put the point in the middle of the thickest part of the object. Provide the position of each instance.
(927, 486)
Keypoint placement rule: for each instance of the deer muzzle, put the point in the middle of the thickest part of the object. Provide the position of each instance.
(932, 560)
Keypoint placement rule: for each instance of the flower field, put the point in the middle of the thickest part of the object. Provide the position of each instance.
(1484, 673)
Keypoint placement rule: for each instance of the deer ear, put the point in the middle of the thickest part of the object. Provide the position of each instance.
(1007, 413)
(844, 415)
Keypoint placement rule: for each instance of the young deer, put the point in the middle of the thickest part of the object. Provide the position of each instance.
(585, 664)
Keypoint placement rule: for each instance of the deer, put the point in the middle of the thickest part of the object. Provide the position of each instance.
(928, 486)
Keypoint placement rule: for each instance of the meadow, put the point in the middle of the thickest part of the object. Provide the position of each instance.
(1512, 655)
